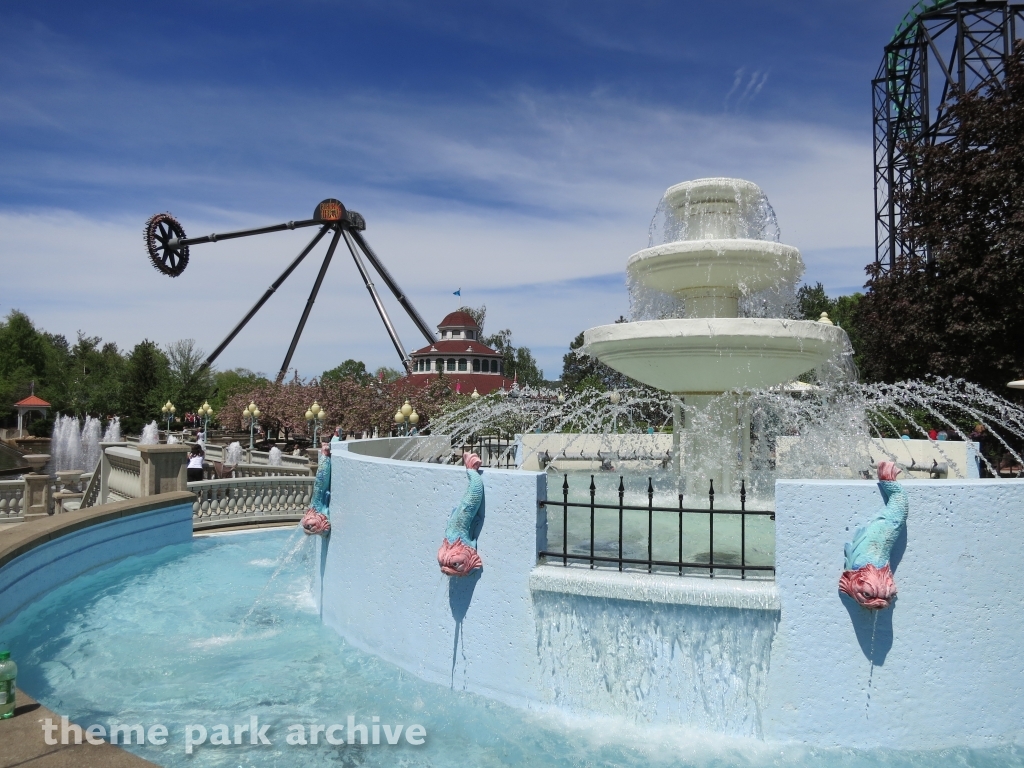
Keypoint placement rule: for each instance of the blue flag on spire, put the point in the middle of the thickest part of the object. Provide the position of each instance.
(457, 293)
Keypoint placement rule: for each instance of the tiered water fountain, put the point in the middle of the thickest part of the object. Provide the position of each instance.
(718, 259)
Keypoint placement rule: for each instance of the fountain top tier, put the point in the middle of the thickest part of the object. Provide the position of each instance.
(721, 255)
(721, 252)
(717, 209)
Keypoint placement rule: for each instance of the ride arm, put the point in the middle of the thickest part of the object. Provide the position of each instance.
(263, 299)
(393, 286)
(215, 237)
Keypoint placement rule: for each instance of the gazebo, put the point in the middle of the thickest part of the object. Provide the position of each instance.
(30, 405)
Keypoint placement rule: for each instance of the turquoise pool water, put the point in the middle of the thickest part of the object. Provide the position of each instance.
(200, 634)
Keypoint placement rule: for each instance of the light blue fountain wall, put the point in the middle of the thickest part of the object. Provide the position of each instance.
(637, 647)
(84, 546)
(794, 664)
(946, 664)
(381, 588)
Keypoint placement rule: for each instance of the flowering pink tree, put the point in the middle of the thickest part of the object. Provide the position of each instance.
(349, 404)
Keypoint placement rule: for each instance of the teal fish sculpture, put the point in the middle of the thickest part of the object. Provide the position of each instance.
(867, 573)
(457, 555)
(317, 521)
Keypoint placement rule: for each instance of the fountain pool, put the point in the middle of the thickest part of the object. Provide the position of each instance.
(190, 634)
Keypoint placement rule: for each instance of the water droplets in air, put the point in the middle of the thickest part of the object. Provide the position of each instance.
(150, 434)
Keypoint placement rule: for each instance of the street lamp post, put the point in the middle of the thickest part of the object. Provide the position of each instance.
(405, 416)
(252, 413)
(168, 410)
(206, 411)
(315, 415)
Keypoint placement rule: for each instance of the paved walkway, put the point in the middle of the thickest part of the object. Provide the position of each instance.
(22, 745)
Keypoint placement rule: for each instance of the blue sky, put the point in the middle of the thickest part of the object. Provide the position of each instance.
(514, 150)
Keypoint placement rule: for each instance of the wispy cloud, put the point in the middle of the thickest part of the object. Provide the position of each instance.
(737, 81)
(753, 87)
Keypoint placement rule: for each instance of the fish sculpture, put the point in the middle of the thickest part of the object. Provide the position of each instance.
(316, 521)
(867, 574)
(457, 555)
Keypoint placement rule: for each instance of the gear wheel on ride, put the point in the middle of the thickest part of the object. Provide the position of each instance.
(161, 230)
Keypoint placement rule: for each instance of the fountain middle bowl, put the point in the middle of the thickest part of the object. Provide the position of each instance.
(735, 265)
(714, 354)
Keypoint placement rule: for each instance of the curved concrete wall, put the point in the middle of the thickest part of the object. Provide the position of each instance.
(41, 554)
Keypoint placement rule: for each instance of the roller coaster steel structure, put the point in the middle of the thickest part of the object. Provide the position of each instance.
(941, 50)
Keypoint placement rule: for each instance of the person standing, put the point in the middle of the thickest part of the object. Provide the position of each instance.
(196, 456)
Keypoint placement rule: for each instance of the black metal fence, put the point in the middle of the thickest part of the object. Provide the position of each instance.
(495, 451)
(711, 564)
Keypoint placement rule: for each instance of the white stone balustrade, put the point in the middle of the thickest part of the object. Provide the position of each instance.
(256, 498)
(121, 468)
(216, 453)
(266, 470)
(12, 494)
(12, 497)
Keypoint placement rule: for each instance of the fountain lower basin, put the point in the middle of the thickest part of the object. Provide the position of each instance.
(711, 355)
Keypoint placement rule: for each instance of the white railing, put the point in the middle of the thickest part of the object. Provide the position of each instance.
(287, 459)
(266, 470)
(249, 499)
(257, 458)
(122, 469)
(12, 497)
(257, 492)
(260, 458)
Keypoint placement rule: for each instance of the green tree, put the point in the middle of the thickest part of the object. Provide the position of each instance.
(479, 314)
(349, 369)
(190, 384)
(812, 301)
(86, 378)
(226, 384)
(23, 359)
(146, 385)
(961, 313)
(525, 368)
(845, 314)
(388, 375)
(581, 371)
(518, 362)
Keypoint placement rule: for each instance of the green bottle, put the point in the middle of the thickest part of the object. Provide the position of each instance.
(8, 676)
